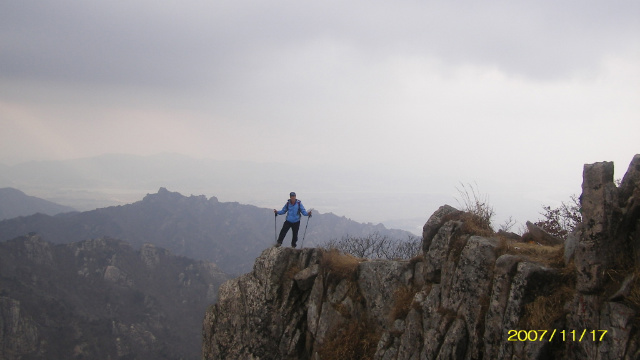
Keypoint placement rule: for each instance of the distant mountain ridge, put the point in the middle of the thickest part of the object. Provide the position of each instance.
(14, 203)
(118, 179)
(231, 235)
(101, 299)
(362, 193)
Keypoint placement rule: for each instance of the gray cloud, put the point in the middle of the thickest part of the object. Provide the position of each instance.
(210, 43)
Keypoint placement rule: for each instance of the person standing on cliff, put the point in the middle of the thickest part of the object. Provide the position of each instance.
(294, 209)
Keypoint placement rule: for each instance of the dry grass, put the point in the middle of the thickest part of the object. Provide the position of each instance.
(545, 310)
(504, 246)
(548, 255)
(474, 225)
(340, 265)
(402, 299)
(471, 224)
(355, 340)
(541, 313)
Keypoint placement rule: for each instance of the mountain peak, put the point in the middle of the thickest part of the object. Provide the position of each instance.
(14, 203)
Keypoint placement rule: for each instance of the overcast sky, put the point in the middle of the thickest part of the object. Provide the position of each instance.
(510, 94)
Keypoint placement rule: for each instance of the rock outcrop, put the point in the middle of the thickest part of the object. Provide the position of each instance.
(466, 297)
(538, 235)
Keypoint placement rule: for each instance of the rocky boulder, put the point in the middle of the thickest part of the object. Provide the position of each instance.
(539, 236)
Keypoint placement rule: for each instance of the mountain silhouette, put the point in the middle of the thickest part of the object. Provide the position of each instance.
(14, 203)
(228, 234)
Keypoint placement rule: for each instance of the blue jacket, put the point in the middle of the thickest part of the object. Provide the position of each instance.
(292, 211)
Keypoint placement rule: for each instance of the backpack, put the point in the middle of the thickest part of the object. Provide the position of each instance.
(298, 202)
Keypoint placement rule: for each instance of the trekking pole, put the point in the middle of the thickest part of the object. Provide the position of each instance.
(305, 231)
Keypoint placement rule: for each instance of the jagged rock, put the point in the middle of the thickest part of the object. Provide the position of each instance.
(432, 225)
(151, 255)
(18, 332)
(529, 281)
(38, 250)
(455, 344)
(596, 250)
(540, 236)
(631, 180)
(625, 288)
(260, 314)
(570, 247)
(617, 319)
(411, 338)
(467, 289)
(305, 278)
(629, 202)
(437, 251)
(464, 297)
(378, 281)
(496, 324)
(115, 275)
(606, 246)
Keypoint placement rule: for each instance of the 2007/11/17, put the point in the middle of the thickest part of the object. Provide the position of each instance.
(532, 335)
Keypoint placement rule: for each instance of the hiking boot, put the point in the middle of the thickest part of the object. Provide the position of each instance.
(278, 244)
(293, 246)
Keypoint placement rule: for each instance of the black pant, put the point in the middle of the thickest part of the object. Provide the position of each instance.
(285, 227)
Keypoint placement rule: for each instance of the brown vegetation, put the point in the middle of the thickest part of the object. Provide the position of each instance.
(339, 265)
(471, 224)
(473, 202)
(543, 254)
(356, 340)
(544, 310)
(377, 246)
(402, 300)
(561, 221)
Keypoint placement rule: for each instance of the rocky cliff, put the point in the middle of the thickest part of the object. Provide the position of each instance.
(472, 294)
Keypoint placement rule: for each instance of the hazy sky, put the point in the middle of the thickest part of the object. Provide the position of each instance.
(510, 94)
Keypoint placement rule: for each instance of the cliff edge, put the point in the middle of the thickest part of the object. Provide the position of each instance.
(470, 295)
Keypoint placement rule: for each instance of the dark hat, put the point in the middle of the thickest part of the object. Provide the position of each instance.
(292, 194)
